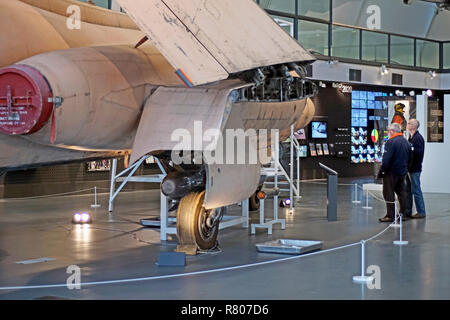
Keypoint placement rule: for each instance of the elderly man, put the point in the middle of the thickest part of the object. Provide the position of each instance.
(415, 168)
(394, 168)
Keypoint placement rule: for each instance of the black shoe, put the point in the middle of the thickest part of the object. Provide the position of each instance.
(386, 219)
(418, 216)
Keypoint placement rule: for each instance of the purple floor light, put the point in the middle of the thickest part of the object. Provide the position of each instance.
(81, 218)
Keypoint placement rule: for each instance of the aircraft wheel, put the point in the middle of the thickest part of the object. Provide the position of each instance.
(197, 228)
(253, 202)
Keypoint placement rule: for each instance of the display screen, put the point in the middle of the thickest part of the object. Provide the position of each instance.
(325, 149)
(99, 165)
(312, 149)
(367, 116)
(319, 130)
(303, 151)
(319, 149)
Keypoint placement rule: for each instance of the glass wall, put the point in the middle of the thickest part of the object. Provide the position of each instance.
(345, 42)
(313, 35)
(447, 55)
(374, 46)
(402, 50)
(287, 6)
(427, 54)
(100, 3)
(315, 8)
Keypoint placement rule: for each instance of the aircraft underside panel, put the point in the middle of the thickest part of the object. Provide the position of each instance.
(208, 40)
(192, 119)
(17, 152)
(231, 182)
(173, 113)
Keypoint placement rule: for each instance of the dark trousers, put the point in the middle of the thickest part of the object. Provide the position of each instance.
(394, 184)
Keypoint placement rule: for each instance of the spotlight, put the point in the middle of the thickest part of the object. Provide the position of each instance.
(322, 84)
(285, 203)
(261, 195)
(81, 218)
(432, 74)
(398, 93)
(384, 70)
(429, 93)
(412, 93)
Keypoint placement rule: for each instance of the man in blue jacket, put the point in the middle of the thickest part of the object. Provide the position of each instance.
(415, 168)
(394, 168)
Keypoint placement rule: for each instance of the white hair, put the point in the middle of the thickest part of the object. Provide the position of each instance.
(415, 123)
(395, 127)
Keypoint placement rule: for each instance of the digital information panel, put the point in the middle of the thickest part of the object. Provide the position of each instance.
(369, 117)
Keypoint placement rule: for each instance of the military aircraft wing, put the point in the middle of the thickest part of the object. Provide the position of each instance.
(206, 40)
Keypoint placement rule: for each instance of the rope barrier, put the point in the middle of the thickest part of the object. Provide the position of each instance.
(393, 202)
(64, 194)
(182, 274)
(339, 184)
(204, 271)
(191, 273)
(47, 196)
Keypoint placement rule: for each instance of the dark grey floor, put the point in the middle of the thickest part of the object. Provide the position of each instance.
(116, 247)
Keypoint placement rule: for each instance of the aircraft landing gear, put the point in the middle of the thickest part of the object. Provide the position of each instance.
(253, 202)
(197, 228)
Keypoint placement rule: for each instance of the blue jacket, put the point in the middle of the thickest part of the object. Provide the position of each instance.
(396, 156)
(418, 145)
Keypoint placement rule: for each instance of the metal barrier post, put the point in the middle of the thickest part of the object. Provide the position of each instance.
(275, 178)
(362, 278)
(298, 173)
(395, 224)
(367, 201)
(331, 193)
(291, 171)
(95, 205)
(112, 185)
(400, 242)
(356, 194)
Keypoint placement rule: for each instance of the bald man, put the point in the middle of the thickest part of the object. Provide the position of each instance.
(415, 169)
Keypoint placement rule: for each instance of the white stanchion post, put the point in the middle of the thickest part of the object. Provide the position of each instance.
(367, 201)
(395, 224)
(112, 185)
(362, 278)
(95, 205)
(356, 194)
(275, 178)
(298, 174)
(291, 171)
(400, 242)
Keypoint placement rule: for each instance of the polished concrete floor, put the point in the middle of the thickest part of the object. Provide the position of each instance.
(117, 247)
